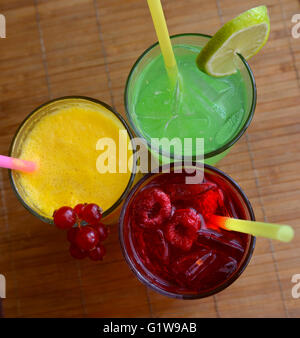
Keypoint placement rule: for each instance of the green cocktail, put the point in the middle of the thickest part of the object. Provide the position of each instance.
(216, 109)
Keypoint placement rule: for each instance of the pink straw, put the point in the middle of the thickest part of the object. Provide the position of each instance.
(17, 164)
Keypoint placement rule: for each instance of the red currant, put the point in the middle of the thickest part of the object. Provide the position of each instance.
(71, 234)
(92, 213)
(87, 238)
(64, 217)
(79, 210)
(77, 252)
(102, 231)
(98, 253)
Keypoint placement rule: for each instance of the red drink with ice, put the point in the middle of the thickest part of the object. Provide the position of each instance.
(169, 241)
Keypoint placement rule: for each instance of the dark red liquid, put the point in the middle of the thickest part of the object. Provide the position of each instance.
(215, 255)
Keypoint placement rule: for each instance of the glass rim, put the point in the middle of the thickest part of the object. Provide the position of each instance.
(73, 97)
(222, 286)
(221, 149)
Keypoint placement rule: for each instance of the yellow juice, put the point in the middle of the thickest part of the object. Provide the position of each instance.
(63, 144)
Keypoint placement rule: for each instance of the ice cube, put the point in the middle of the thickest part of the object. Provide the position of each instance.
(229, 267)
(219, 240)
(157, 246)
(204, 269)
(230, 126)
(190, 267)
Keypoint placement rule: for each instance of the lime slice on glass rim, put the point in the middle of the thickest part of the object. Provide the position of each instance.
(246, 34)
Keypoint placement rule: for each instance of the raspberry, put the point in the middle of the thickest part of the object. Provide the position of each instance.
(153, 208)
(208, 203)
(181, 230)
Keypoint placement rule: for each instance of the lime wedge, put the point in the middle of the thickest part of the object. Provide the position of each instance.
(246, 34)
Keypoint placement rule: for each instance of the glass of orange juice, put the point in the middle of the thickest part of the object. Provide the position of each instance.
(61, 136)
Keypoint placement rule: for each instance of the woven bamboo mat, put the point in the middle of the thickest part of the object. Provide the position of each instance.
(59, 47)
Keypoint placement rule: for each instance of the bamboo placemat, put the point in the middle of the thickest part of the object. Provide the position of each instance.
(59, 47)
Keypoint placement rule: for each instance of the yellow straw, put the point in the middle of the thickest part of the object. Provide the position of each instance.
(284, 233)
(162, 33)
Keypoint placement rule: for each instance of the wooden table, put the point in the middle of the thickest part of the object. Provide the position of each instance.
(59, 47)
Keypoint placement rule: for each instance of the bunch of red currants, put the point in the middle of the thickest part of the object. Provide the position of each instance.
(85, 232)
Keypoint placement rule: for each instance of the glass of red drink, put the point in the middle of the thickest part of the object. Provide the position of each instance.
(169, 242)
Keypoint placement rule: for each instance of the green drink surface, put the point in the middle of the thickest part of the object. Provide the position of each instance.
(204, 107)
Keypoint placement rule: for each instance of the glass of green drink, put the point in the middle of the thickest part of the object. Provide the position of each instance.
(218, 110)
